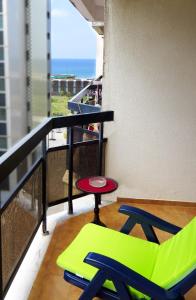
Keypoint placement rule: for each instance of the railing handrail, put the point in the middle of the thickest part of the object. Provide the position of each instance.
(11, 159)
(82, 119)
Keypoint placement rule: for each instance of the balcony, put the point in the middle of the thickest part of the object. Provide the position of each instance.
(35, 176)
(38, 174)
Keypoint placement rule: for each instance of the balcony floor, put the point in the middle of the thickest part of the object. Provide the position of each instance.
(49, 284)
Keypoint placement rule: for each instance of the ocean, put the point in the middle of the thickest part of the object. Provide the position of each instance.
(81, 68)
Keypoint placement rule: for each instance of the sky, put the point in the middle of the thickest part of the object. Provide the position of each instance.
(71, 35)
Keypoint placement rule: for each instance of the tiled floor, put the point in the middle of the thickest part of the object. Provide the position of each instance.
(27, 273)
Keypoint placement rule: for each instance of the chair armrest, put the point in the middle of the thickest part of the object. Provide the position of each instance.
(141, 216)
(123, 276)
(147, 221)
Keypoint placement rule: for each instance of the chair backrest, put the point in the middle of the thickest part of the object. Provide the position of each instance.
(176, 257)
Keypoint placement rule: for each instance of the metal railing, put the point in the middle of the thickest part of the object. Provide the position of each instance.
(25, 205)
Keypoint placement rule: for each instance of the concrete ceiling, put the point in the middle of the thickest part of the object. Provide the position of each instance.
(99, 2)
(91, 10)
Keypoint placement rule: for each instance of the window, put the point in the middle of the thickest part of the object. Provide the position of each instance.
(2, 99)
(3, 129)
(1, 37)
(1, 69)
(2, 114)
(1, 53)
(2, 84)
(3, 142)
(1, 8)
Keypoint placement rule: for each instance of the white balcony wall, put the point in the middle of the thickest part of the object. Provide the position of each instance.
(150, 78)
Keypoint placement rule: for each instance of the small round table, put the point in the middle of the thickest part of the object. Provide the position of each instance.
(83, 185)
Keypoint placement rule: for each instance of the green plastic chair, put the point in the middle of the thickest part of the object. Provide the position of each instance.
(115, 265)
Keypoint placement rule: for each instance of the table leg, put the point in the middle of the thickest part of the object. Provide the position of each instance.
(96, 212)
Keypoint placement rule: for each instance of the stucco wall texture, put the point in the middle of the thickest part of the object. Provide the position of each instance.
(150, 83)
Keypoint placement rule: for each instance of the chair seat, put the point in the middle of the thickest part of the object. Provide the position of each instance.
(137, 254)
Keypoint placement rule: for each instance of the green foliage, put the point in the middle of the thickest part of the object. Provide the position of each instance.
(62, 93)
(69, 94)
(59, 106)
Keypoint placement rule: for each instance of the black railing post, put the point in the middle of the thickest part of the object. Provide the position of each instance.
(100, 161)
(70, 186)
(1, 262)
(44, 195)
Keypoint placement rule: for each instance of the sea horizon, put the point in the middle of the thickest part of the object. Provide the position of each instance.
(79, 67)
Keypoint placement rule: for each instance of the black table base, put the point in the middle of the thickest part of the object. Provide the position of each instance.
(97, 220)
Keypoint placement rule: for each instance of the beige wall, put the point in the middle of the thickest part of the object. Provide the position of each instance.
(150, 83)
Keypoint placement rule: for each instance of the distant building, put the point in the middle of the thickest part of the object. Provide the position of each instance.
(68, 86)
(24, 65)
